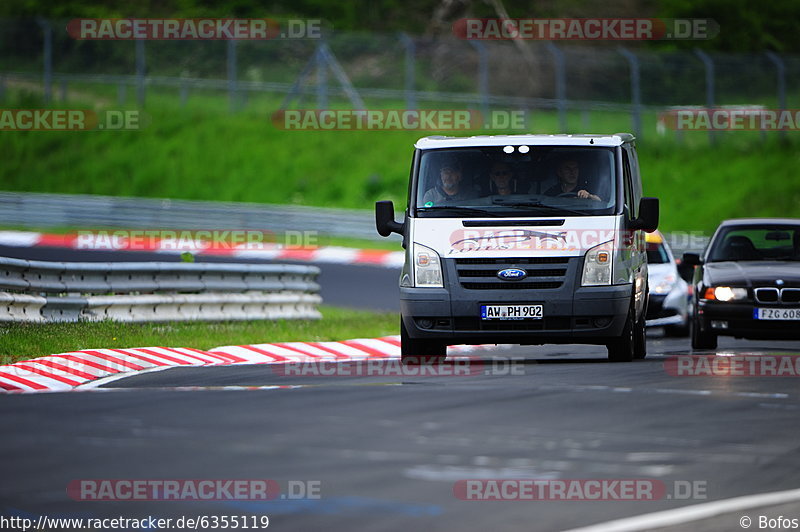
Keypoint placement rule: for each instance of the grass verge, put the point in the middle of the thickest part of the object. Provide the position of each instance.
(21, 341)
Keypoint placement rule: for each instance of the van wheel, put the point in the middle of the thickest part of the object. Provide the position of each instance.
(702, 340)
(640, 339)
(417, 352)
(640, 329)
(622, 349)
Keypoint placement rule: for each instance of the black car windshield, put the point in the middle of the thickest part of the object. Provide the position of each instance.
(517, 181)
(756, 243)
(656, 253)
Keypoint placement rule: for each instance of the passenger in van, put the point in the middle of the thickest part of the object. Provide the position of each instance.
(501, 179)
(449, 186)
(568, 172)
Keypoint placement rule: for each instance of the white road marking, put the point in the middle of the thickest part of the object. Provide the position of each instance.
(447, 473)
(120, 376)
(695, 512)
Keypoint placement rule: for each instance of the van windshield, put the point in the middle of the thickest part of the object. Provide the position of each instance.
(533, 181)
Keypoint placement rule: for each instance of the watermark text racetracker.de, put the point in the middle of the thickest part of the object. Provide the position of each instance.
(393, 367)
(730, 119)
(198, 240)
(192, 490)
(194, 28)
(397, 119)
(72, 120)
(601, 489)
(733, 366)
(571, 240)
(585, 29)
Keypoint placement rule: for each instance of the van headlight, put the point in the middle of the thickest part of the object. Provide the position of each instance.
(597, 265)
(427, 267)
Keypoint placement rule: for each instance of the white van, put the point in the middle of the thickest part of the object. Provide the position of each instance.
(527, 239)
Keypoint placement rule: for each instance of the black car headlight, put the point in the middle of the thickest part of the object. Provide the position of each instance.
(725, 293)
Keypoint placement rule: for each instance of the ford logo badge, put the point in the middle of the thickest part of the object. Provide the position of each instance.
(512, 274)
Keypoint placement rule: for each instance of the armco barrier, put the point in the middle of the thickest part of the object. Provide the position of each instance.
(155, 291)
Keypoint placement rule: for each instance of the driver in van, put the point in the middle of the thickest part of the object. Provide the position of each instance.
(568, 171)
(449, 186)
(501, 179)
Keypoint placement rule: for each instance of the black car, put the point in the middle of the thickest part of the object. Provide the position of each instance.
(747, 283)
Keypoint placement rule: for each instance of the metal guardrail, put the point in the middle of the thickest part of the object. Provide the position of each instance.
(38, 291)
(37, 210)
(89, 211)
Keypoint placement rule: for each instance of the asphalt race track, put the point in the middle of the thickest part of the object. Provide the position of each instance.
(386, 452)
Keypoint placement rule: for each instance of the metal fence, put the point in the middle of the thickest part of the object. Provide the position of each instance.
(387, 70)
(38, 291)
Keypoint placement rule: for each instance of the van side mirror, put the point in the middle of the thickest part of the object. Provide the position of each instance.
(648, 215)
(384, 219)
(691, 259)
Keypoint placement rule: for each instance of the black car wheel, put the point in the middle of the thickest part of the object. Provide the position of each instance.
(416, 352)
(702, 340)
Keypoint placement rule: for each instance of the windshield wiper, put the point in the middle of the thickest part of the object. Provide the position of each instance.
(458, 209)
(536, 204)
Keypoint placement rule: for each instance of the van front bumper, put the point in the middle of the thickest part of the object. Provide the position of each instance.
(586, 315)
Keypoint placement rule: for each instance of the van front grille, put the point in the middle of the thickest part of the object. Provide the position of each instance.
(502, 261)
(473, 274)
(506, 285)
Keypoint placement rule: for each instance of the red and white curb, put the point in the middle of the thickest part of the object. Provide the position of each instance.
(322, 254)
(76, 369)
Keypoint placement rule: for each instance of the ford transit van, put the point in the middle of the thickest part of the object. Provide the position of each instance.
(523, 239)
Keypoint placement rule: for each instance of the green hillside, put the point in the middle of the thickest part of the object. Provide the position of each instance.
(203, 152)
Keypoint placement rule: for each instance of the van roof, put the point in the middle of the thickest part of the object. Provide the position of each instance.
(434, 142)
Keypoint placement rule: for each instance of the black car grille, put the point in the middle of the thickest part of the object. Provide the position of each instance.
(790, 295)
(771, 294)
(474, 275)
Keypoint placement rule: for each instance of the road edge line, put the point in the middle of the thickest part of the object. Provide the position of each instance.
(695, 512)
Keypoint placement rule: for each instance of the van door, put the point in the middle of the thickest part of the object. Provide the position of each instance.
(637, 250)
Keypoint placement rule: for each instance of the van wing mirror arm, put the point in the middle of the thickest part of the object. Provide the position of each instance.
(648, 215)
(384, 219)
